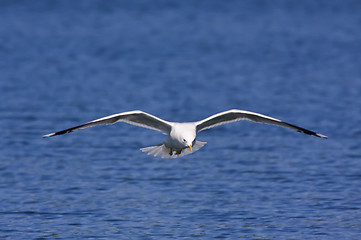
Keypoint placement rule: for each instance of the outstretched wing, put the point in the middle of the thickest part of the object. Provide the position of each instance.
(137, 118)
(237, 115)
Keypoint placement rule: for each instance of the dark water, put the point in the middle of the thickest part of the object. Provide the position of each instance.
(67, 62)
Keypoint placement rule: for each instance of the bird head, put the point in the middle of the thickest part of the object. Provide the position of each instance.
(185, 134)
(188, 142)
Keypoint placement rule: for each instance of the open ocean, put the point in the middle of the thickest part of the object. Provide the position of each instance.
(63, 63)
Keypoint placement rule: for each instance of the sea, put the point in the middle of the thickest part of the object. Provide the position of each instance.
(65, 62)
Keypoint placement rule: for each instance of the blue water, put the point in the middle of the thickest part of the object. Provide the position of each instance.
(63, 63)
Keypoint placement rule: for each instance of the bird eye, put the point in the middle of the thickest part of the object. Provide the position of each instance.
(184, 140)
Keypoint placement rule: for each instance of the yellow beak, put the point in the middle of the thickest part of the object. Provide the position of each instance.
(190, 146)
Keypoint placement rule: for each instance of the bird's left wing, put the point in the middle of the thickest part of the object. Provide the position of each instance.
(237, 115)
(137, 118)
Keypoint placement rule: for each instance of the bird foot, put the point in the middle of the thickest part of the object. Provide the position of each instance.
(177, 152)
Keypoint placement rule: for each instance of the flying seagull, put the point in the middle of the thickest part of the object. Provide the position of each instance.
(181, 137)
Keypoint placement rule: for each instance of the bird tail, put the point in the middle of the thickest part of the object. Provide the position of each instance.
(164, 152)
(157, 151)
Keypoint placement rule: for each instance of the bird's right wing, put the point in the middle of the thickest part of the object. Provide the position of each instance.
(137, 118)
(237, 115)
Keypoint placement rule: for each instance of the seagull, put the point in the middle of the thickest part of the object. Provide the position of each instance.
(181, 137)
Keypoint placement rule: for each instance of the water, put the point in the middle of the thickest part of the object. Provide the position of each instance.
(64, 63)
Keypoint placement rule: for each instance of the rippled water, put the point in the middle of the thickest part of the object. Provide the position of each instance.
(64, 63)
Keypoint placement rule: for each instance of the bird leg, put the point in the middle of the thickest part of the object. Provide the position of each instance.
(178, 152)
(170, 151)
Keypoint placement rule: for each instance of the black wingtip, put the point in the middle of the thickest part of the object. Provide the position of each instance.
(306, 131)
(313, 133)
(58, 133)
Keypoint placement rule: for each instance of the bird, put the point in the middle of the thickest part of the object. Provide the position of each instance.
(181, 136)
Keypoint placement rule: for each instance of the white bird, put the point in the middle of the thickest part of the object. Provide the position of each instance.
(181, 137)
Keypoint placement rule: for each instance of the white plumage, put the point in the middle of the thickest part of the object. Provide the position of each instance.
(181, 137)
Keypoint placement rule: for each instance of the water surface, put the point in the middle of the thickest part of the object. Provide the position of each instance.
(64, 63)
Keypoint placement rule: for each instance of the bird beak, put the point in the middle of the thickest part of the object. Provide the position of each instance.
(190, 146)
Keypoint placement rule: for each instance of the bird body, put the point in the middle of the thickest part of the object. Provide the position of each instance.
(181, 134)
(181, 137)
